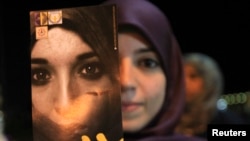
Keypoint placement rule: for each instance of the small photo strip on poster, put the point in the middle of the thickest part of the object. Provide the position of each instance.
(43, 19)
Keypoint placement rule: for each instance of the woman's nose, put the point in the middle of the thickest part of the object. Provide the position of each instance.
(128, 79)
(126, 72)
(65, 92)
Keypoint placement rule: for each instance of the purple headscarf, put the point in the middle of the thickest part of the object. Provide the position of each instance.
(152, 22)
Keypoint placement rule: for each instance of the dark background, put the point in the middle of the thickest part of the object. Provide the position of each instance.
(219, 29)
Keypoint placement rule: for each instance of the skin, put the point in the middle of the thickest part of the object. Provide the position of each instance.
(143, 82)
(67, 74)
(194, 82)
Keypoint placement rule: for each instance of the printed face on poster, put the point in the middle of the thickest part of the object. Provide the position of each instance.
(75, 74)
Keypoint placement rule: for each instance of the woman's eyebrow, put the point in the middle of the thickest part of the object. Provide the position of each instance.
(38, 61)
(79, 57)
(86, 56)
(143, 50)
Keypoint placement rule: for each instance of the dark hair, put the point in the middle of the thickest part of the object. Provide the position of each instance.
(92, 26)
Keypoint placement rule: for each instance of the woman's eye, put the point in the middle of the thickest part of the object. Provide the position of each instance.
(91, 71)
(194, 76)
(40, 76)
(148, 63)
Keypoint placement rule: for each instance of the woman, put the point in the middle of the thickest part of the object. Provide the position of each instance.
(151, 73)
(204, 86)
(75, 87)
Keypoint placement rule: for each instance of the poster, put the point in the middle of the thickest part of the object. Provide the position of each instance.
(75, 90)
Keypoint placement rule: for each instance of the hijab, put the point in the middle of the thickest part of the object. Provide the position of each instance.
(155, 27)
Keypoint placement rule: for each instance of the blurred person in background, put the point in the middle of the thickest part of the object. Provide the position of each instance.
(204, 86)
